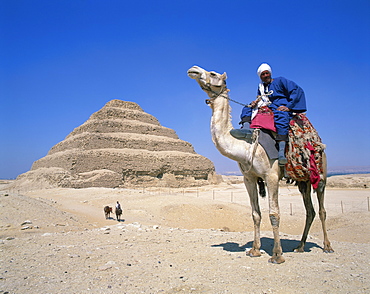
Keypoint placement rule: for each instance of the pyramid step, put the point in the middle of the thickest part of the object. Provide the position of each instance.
(129, 114)
(87, 141)
(129, 161)
(122, 126)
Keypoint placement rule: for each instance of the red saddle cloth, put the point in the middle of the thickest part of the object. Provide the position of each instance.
(304, 151)
(264, 119)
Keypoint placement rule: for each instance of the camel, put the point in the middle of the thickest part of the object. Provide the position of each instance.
(254, 164)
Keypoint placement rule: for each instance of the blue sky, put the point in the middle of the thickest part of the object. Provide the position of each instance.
(63, 60)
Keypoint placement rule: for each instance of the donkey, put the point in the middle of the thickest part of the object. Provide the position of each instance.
(107, 211)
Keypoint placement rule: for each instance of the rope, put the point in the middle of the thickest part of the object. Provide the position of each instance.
(255, 138)
(245, 105)
(259, 98)
(208, 88)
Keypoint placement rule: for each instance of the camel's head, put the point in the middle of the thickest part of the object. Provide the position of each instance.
(211, 82)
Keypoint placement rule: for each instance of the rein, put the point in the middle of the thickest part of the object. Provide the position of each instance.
(208, 88)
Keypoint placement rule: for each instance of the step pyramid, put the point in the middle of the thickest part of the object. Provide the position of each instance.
(121, 146)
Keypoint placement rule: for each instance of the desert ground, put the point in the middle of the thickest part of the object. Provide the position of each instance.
(191, 240)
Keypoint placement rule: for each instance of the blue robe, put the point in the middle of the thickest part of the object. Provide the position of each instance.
(285, 93)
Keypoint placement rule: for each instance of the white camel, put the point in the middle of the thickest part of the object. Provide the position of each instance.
(254, 163)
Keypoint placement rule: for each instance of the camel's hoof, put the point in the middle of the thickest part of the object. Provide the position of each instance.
(254, 253)
(327, 247)
(299, 250)
(277, 259)
(328, 250)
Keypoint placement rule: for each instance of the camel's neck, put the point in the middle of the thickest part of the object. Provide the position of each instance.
(220, 129)
(221, 117)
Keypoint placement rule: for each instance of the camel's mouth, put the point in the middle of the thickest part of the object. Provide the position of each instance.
(194, 72)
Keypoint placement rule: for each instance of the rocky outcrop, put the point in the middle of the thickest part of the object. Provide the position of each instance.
(349, 181)
(120, 146)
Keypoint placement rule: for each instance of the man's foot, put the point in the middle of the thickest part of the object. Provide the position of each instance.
(242, 133)
(283, 160)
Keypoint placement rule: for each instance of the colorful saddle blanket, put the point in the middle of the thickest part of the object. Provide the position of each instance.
(304, 151)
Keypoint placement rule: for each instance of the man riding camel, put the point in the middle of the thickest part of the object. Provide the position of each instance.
(283, 97)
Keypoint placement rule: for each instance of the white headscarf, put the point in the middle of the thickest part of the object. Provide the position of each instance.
(264, 97)
(262, 68)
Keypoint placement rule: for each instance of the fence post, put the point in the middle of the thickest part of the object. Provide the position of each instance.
(291, 209)
(341, 204)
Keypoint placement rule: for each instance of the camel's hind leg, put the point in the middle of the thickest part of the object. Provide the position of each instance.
(251, 185)
(305, 189)
(322, 213)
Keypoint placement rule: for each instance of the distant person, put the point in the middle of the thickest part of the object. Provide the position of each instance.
(283, 97)
(118, 211)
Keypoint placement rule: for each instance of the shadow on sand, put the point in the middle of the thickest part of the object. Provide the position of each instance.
(267, 245)
(112, 218)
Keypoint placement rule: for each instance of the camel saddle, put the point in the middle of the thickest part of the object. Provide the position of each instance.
(304, 149)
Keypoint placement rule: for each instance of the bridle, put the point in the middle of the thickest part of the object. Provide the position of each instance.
(223, 93)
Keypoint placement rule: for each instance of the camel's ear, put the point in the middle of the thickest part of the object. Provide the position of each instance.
(224, 76)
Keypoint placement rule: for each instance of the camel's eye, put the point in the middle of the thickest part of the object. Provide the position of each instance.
(213, 74)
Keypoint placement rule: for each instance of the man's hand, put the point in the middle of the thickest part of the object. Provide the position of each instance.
(254, 103)
(283, 108)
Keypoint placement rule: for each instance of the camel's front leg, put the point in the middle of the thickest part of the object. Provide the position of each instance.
(277, 252)
(251, 185)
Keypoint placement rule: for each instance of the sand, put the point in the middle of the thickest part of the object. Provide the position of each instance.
(177, 241)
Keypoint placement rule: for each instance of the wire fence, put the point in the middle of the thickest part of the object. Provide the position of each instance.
(289, 204)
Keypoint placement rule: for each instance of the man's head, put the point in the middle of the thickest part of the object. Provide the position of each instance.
(264, 72)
